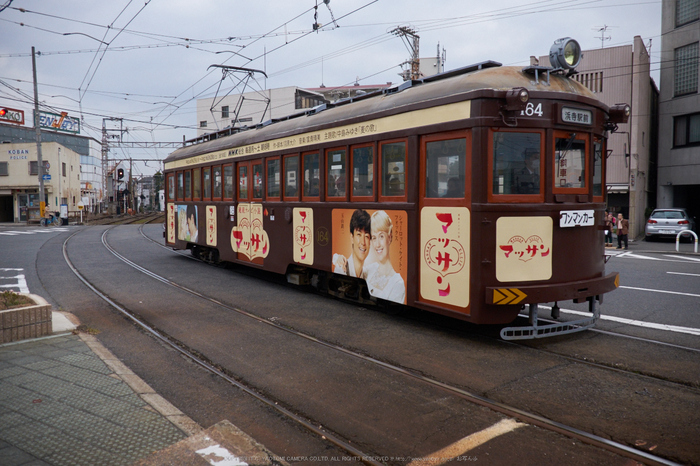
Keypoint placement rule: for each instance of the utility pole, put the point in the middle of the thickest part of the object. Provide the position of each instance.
(37, 127)
(413, 45)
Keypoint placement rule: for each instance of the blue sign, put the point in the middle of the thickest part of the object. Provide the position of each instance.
(46, 177)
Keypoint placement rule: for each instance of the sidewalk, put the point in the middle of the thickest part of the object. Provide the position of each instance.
(67, 400)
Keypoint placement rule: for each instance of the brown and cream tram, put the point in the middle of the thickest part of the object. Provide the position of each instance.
(471, 194)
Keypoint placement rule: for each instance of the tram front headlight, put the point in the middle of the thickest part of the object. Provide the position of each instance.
(565, 54)
(517, 98)
(619, 113)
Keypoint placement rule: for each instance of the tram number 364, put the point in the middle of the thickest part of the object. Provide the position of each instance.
(532, 109)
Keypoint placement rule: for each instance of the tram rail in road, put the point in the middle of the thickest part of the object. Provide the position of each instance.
(509, 411)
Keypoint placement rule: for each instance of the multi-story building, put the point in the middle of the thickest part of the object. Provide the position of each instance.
(19, 180)
(252, 108)
(679, 107)
(90, 150)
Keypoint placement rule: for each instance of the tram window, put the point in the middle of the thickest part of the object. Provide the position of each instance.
(273, 178)
(291, 181)
(597, 167)
(445, 168)
(216, 175)
(180, 186)
(188, 184)
(312, 177)
(363, 171)
(393, 169)
(242, 182)
(197, 184)
(228, 181)
(516, 163)
(569, 162)
(206, 183)
(171, 187)
(336, 173)
(257, 181)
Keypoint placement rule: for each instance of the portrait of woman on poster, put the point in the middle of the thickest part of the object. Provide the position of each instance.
(382, 280)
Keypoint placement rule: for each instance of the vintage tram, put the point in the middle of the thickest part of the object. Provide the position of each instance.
(471, 194)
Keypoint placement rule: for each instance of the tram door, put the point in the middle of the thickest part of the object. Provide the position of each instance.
(445, 220)
(248, 238)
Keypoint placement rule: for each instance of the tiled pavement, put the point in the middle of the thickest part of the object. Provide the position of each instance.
(62, 404)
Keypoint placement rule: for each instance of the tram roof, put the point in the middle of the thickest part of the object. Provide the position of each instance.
(452, 86)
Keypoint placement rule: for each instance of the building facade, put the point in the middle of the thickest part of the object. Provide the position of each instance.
(252, 108)
(679, 107)
(89, 149)
(19, 180)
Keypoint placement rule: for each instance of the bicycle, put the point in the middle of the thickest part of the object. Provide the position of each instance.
(51, 221)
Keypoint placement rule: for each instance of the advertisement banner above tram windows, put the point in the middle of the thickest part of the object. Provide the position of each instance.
(373, 245)
(524, 248)
(444, 263)
(414, 119)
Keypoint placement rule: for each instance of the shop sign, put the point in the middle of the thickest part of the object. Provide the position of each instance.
(60, 122)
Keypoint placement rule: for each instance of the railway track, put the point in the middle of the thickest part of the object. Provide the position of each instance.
(334, 438)
(157, 217)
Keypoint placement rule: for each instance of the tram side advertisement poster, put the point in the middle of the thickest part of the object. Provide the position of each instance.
(372, 244)
(187, 219)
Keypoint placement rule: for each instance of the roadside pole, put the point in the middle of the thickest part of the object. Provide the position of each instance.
(40, 162)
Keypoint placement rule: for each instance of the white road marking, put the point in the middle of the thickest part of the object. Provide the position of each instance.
(683, 257)
(637, 323)
(661, 291)
(461, 447)
(20, 280)
(32, 232)
(219, 456)
(688, 274)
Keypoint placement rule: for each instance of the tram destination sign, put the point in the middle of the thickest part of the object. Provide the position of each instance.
(576, 116)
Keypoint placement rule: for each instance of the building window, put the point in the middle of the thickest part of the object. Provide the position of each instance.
(4, 171)
(224, 111)
(686, 130)
(203, 124)
(34, 168)
(687, 11)
(686, 70)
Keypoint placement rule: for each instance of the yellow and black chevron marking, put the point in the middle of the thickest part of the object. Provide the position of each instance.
(617, 281)
(508, 296)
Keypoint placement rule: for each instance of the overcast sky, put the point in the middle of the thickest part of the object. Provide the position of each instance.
(148, 61)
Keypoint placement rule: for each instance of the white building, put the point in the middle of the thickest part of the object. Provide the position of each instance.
(19, 180)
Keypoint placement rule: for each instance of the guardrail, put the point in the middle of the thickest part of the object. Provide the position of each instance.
(691, 232)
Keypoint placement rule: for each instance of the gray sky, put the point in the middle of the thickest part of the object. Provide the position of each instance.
(147, 61)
